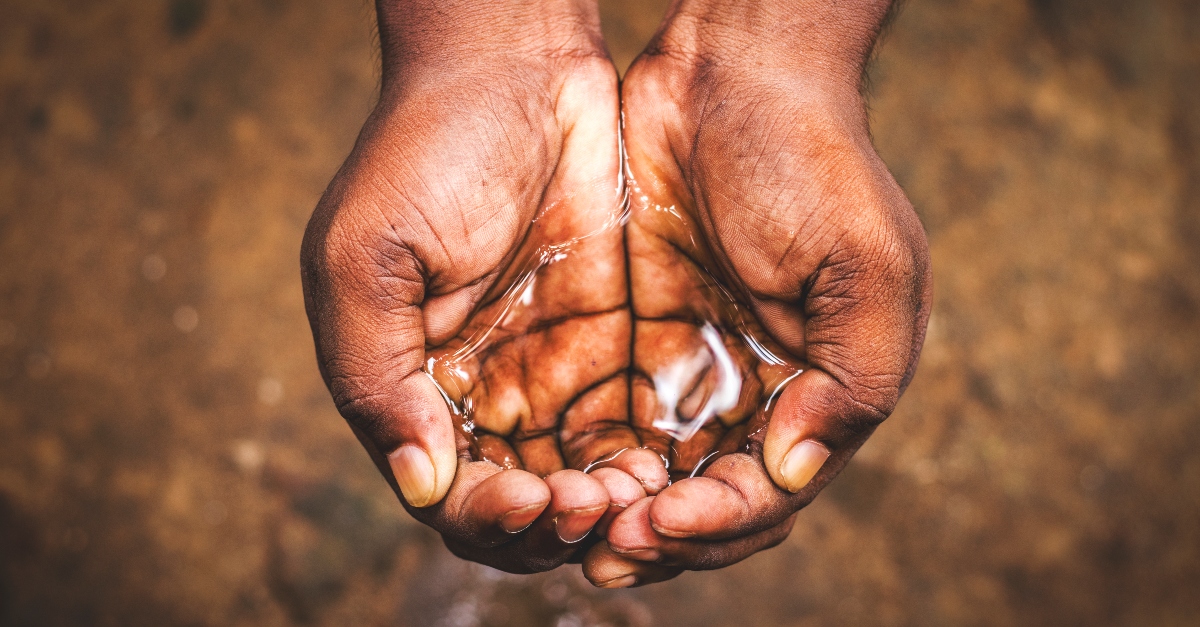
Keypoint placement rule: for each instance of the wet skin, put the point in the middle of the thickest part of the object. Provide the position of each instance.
(775, 175)
(475, 159)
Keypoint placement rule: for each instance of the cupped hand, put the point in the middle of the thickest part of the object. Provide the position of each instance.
(495, 135)
(753, 168)
(491, 163)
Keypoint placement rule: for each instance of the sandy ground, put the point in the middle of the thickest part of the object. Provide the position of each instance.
(168, 454)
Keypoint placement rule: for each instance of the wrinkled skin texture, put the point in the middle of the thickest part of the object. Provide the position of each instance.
(431, 208)
(545, 376)
(796, 213)
(459, 180)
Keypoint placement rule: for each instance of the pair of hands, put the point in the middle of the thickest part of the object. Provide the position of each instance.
(500, 123)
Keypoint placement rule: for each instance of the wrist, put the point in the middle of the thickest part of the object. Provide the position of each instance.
(450, 35)
(824, 44)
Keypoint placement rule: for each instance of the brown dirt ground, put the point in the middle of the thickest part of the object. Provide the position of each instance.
(168, 454)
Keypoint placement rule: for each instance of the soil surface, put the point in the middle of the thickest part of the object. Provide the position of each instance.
(168, 454)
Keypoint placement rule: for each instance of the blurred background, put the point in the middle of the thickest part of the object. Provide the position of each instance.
(168, 454)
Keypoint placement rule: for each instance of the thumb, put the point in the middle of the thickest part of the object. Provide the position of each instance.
(813, 416)
(371, 360)
(409, 433)
(864, 322)
(370, 351)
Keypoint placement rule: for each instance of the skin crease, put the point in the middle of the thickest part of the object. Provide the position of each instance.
(765, 147)
(497, 132)
(471, 151)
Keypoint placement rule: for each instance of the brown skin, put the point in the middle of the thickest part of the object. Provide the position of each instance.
(497, 130)
(486, 121)
(747, 117)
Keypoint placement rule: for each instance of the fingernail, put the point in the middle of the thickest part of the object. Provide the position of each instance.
(801, 464)
(573, 526)
(619, 582)
(414, 473)
(519, 520)
(641, 555)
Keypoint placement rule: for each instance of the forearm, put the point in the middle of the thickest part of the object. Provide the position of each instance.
(446, 33)
(826, 40)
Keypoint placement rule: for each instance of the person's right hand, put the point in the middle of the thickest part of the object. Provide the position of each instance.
(496, 132)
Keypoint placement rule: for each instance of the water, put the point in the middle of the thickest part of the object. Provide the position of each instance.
(609, 330)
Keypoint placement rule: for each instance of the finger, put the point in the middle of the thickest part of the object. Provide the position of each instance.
(487, 506)
(414, 475)
(577, 501)
(711, 555)
(734, 497)
(410, 436)
(371, 362)
(596, 425)
(606, 569)
(700, 507)
(632, 536)
(370, 357)
(507, 502)
(623, 491)
(864, 317)
(415, 425)
(813, 418)
(643, 464)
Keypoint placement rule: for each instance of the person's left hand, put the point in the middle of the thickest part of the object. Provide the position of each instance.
(755, 164)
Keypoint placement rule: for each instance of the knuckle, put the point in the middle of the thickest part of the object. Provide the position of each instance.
(895, 257)
(898, 261)
(870, 400)
(350, 246)
(380, 264)
(356, 404)
(362, 388)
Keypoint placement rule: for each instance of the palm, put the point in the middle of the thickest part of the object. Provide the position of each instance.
(408, 264)
(778, 211)
(548, 339)
(768, 214)
(700, 235)
(473, 296)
